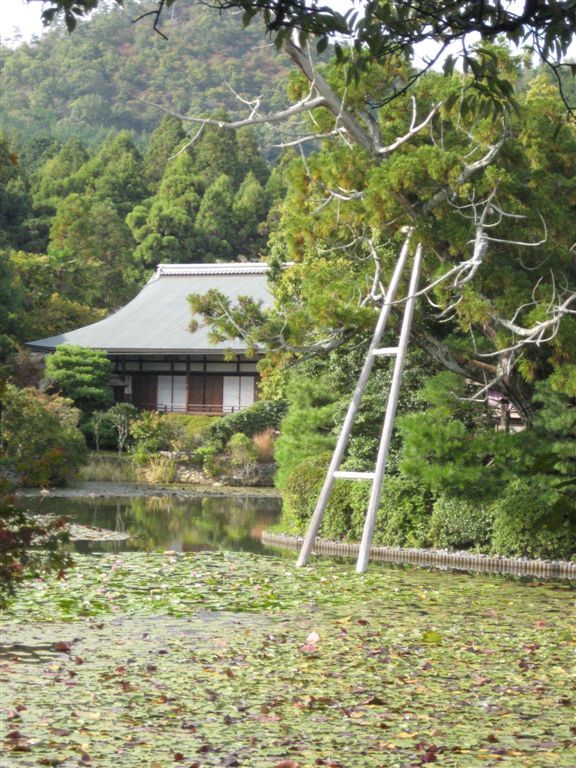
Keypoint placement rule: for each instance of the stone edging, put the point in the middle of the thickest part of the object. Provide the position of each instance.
(434, 558)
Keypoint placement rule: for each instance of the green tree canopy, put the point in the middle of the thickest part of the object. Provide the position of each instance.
(91, 232)
(492, 203)
(15, 199)
(51, 290)
(81, 374)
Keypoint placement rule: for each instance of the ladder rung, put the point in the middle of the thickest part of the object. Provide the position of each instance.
(354, 475)
(385, 351)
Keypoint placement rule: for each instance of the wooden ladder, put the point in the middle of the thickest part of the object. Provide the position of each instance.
(374, 351)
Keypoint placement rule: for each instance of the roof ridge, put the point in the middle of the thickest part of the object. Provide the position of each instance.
(238, 268)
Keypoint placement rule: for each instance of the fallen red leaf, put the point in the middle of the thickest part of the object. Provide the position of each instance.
(62, 646)
(309, 648)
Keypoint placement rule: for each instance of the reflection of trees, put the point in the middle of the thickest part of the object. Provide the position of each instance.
(237, 520)
(168, 523)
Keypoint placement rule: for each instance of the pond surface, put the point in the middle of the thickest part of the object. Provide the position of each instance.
(166, 523)
(215, 659)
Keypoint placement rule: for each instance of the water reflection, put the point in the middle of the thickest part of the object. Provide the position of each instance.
(190, 525)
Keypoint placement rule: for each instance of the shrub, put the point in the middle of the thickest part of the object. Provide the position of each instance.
(152, 432)
(300, 495)
(189, 430)
(82, 375)
(403, 518)
(241, 450)
(249, 421)
(40, 434)
(207, 457)
(525, 526)
(460, 524)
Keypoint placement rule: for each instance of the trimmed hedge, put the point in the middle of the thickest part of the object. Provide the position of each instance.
(523, 525)
(250, 421)
(403, 517)
(460, 524)
(520, 524)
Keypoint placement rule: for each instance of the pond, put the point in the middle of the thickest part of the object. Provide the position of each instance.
(232, 523)
(214, 659)
(184, 656)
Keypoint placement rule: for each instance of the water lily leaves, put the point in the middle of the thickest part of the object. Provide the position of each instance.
(430, 637)
(184, 657)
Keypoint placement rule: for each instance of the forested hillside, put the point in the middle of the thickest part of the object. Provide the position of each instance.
(90, 201)
(84, 232)
(84, 85)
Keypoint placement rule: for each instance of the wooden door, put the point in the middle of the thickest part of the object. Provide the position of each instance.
(195, 394)
(145, 391)
(213, 393)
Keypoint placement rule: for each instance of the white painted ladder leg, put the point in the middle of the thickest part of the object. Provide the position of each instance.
(342, 442)
(384, 448)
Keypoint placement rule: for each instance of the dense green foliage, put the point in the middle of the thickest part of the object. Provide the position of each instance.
(250, 421)
(152, 432)
(307, 430)
(497, 239)
(96, 188)
(82, 375)
(95, 81)
(94, 224)
(384, 32)
(39, 434)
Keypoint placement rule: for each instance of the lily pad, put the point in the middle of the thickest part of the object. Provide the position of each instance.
(140, 660)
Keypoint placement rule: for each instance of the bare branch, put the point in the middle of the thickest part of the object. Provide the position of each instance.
(305, 105)
(536, 333)
(156, 14)
(467, 172)
(188, 143)
(309, 137)
(330, 99)
(414, 129)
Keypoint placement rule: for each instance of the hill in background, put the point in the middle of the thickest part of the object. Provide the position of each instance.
(86, 84)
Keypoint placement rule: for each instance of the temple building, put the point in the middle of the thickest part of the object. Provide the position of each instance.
(159, 363)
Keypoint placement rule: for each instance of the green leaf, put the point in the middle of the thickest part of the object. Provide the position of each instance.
(430, 637)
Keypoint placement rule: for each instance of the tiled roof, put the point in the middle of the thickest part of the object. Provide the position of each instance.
(157, 319)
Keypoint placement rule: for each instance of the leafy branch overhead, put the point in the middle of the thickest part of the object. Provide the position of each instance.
(228, 320)
(384, 31)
